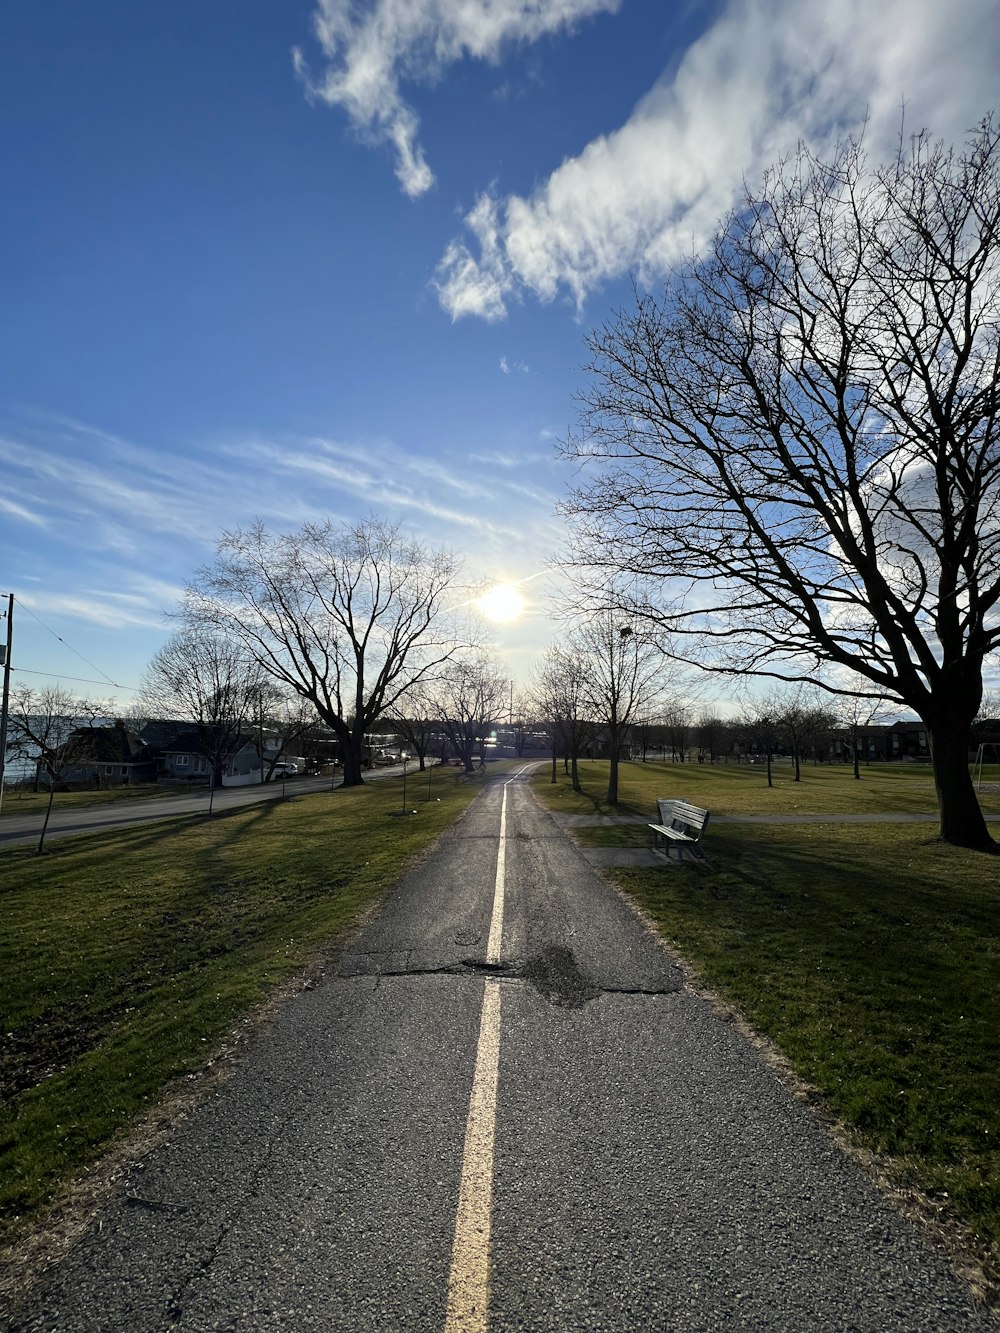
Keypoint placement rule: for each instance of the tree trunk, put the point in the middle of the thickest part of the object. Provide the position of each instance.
(962, 822)
(575, 774)
(352, 743)
(352, 767)
(613, 770)
(45, 821)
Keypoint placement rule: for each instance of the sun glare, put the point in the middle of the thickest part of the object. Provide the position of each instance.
(502, 602)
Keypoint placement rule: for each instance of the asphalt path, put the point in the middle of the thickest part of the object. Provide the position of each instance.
(21, 830)
(500, 1108)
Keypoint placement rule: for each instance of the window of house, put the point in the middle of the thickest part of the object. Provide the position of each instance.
(180, 761)
(109, 770)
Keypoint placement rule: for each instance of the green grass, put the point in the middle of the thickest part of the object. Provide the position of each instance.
(126, 956)
(870, 954)
(735, 789)
(20, 801)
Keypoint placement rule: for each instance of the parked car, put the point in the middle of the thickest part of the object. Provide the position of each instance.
(283, 770)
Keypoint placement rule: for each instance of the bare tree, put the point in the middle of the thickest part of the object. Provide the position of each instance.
(623, 672)
(561, 695)
(709, 734)
(200, 677)
(856, 714)
(676, 724)
(468, 702)
(802, 434)
(50, 729)
(415, 719)
(761, 729)
(802, 720)
(285, 717)
(350, 616)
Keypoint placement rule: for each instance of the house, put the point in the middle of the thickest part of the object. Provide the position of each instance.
(180, 751)
(108, 756)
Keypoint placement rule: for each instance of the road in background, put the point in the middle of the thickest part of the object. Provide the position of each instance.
(643, 1167)
(22, 830)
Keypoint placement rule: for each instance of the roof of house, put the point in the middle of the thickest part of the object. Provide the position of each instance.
(171, 737)
(108, 745)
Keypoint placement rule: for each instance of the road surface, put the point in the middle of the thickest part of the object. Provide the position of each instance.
(23, 830)
(500, 1108)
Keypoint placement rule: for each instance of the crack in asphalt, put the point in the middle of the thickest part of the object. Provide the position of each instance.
(177, 1301)
(554, 973)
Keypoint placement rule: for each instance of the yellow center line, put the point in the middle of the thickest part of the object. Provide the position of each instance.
(495, 940)
(469, 1278)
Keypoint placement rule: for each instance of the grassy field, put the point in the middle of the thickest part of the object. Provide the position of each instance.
(734, 789)
(870, 954)
(126, 956)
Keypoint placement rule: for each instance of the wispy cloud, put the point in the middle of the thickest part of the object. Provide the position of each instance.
(129, 523)
(372, 51)
(767, 74)
(99, 606)
(386, 477)
(16, 510)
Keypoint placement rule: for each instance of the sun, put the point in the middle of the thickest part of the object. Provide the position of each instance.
(502, 603)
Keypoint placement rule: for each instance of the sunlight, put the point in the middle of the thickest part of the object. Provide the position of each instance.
(502, 603)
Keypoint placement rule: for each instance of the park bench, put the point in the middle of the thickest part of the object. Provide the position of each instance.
(681, 825)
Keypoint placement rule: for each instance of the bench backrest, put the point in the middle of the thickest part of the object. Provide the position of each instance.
(665, 808)
(682, 814)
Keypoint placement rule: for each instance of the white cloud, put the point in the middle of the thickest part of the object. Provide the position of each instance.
(506, 365)
(388, 478)
(111, 610)
(371, 50)
(16, 510)
(767, 74)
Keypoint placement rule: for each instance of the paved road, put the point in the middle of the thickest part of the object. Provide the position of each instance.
(22, 830)
(563, 1138)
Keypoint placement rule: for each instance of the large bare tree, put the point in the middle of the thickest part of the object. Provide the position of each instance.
(348, 616)
(800, 438)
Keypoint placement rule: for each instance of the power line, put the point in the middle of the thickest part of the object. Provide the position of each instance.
(79, 680)
(93, 666)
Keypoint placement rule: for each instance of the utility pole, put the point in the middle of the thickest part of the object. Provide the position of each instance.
(4, 707)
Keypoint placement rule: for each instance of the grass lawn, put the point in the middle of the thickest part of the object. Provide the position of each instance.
(126, 956)
(735, 789)
(19, 801)
(870, 954)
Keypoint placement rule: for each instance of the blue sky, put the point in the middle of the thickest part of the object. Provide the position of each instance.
(325, 257)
